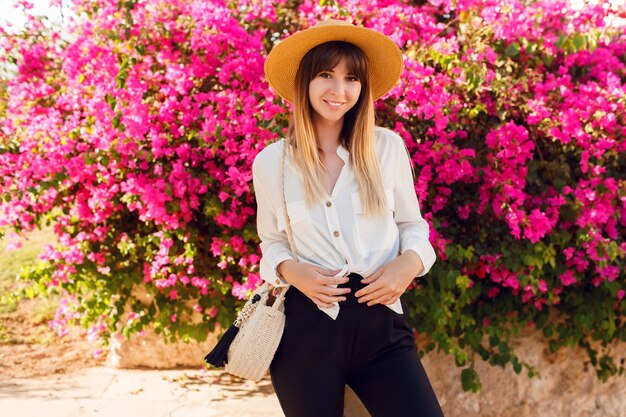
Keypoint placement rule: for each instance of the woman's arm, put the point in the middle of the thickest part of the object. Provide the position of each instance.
(388, 283)
(414, 229)
(274, 244)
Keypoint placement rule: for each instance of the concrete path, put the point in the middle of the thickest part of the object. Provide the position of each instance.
(110, 392)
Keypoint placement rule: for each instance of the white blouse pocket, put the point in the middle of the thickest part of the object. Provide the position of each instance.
(302, 227)
(297, 211)
(374, 232)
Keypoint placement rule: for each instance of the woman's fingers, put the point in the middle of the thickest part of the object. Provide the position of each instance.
(325, 292)
(391, 300)
(326, 272)
(383, 299)
(329, 295)
(373, 277)
(335, 280)
(321, 302)
(328, 276)
(332, 299)
(368, 290)
(374, 295)
(329, 290)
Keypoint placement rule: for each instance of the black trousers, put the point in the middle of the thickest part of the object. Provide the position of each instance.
(370, 348)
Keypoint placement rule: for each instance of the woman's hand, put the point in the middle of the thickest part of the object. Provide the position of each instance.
(388, 283)
(314, 282)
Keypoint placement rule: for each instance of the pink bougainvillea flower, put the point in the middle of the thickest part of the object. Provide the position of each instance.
(568, 278)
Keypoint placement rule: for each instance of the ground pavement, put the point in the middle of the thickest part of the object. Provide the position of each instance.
(110, 392)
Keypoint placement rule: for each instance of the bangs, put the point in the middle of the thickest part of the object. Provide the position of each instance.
(327, 56)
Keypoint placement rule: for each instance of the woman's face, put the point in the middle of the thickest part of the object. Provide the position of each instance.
(333, 92)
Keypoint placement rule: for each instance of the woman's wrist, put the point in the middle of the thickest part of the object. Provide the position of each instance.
(281, 269)
(413, 261)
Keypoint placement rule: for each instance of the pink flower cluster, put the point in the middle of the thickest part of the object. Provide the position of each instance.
(137, 137)
(66, 315)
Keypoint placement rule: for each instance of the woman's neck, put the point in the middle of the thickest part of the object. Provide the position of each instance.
(328, 135)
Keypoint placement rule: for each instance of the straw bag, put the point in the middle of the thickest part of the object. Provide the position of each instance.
(247, 348)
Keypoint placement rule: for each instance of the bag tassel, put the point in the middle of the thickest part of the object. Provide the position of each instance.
(218, 356)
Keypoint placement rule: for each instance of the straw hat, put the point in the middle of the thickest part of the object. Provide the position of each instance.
(383, 54)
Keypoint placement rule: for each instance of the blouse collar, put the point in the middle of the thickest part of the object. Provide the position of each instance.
(343, 153)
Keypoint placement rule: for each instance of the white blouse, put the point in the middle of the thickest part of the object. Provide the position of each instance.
(336, 234)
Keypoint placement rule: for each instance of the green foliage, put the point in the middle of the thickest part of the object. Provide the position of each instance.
(463, 309)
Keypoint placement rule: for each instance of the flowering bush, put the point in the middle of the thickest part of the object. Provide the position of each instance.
(134, 130)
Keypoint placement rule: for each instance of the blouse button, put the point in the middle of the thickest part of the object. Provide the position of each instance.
(329, 203)
(336, 233)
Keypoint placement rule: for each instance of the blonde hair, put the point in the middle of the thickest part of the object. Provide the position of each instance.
(357, 133)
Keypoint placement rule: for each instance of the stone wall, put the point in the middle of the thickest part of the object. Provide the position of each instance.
(150, 351)
(568, 386)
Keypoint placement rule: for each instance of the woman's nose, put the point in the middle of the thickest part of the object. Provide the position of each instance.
(338, 88)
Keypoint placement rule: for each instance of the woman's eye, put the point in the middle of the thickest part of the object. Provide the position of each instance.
(353, 78)
(324, 75)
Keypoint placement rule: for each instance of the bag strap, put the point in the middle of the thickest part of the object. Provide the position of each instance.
(292, 244)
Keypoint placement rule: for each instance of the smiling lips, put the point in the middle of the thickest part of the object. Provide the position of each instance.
(334, 104)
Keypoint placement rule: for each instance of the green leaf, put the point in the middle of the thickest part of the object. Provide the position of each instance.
(548, 331)
(470, 380)
(460, 358)
(579, 41)
(463, 281)
(116, 119)
(30, 292)
(512, 50)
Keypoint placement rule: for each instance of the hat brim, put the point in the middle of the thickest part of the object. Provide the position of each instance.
(383, 54)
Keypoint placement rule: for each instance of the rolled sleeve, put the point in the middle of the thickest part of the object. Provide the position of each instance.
(274, 243)
(413, 228)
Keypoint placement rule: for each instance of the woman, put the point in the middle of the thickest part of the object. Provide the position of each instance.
(357, 228)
